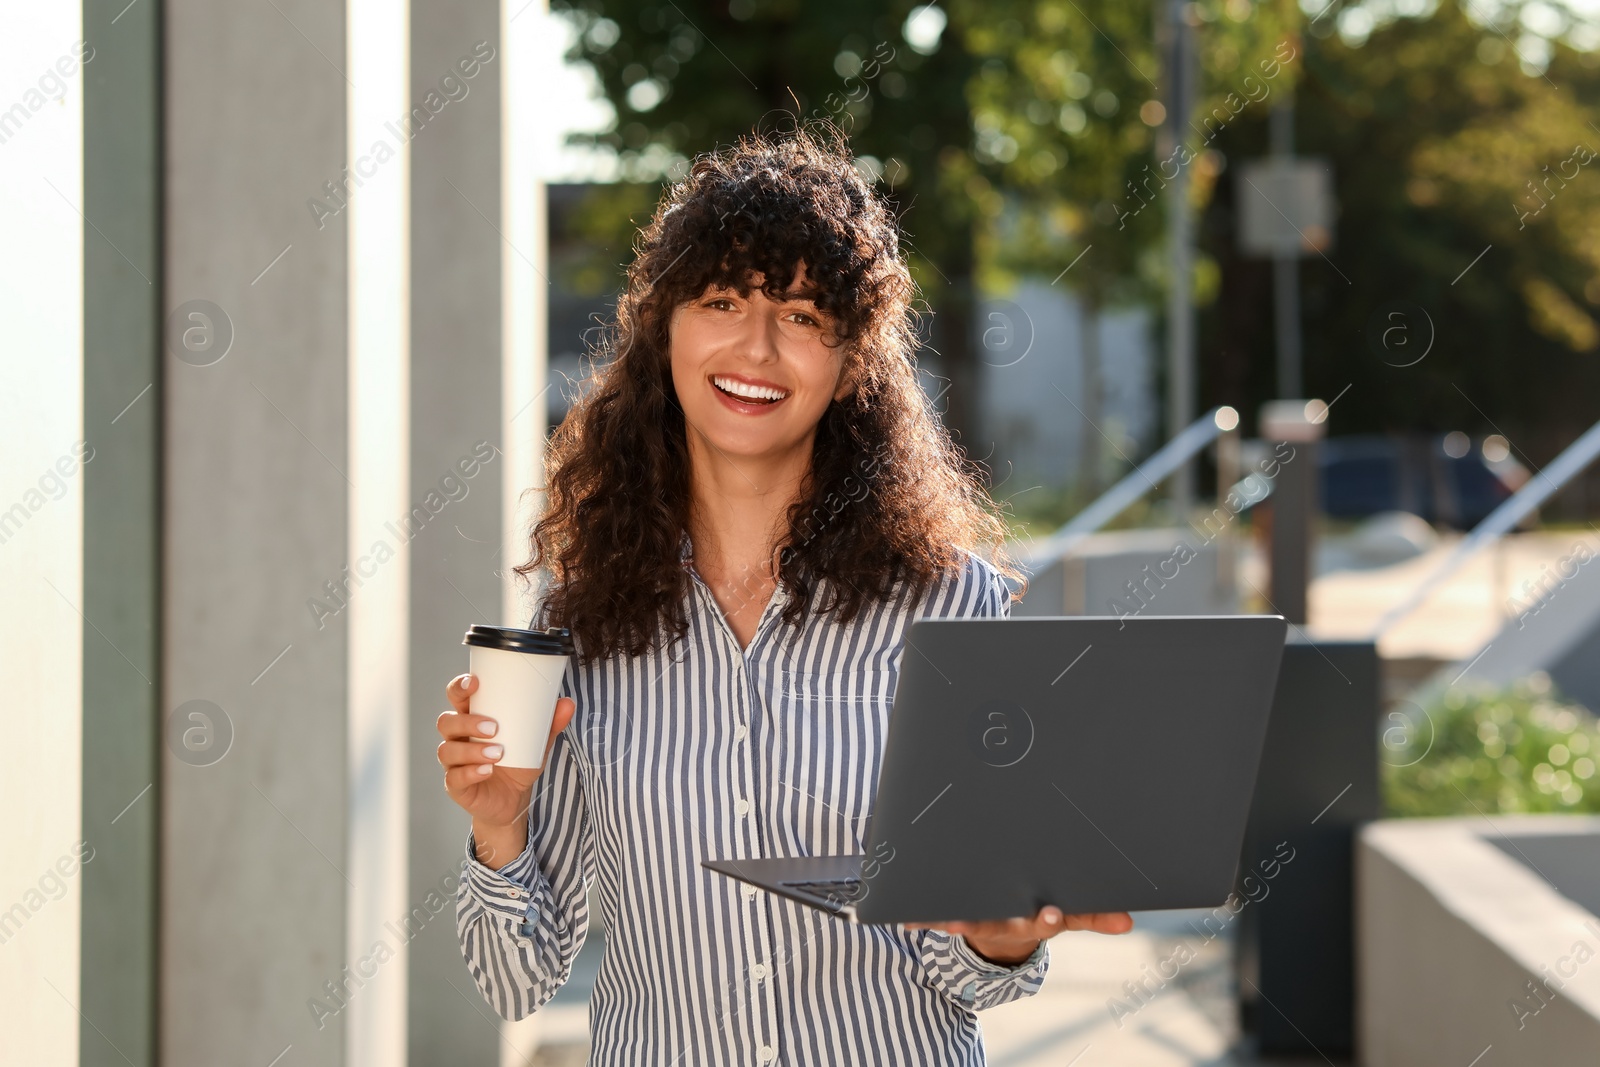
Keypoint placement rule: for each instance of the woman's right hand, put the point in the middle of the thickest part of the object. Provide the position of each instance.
(497, 798)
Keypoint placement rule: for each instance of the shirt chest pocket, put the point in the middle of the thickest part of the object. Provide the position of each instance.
(830, 729)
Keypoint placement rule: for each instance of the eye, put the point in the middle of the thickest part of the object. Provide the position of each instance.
(721, 303)
(804, 318)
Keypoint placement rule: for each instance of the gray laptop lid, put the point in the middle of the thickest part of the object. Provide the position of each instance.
(1097, 764)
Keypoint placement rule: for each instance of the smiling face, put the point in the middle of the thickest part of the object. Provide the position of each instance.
(754, 375)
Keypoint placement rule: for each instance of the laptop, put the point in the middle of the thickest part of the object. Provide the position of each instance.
(1096, 764)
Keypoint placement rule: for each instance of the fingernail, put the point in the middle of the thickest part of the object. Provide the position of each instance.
(484, 768)
(465, 680)
(488, 727)
(1052, 916)
(493, 751)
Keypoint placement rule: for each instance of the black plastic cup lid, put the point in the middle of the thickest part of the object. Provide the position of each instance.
(552, 642)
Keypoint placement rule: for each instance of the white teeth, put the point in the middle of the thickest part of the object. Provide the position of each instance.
(754, 392)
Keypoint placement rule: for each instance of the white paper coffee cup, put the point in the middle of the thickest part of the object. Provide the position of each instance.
(519, 675)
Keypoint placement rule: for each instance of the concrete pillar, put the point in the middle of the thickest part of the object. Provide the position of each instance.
(122, 395)
(478, 405)
(255, 874)
(380, 912)
(1293, 427)
(456, 337)
(41, 513)
(524, 343)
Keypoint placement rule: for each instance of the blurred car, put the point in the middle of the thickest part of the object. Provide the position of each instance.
(1449, 480)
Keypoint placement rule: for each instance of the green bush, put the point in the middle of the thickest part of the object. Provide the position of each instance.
(1522, 749)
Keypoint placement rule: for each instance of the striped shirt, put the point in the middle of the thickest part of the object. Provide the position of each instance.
(702, 751)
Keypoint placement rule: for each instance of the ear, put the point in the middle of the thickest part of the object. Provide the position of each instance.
(847, 380)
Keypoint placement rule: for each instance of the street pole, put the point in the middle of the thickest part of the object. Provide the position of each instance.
(1180, 70)
(1286, 269)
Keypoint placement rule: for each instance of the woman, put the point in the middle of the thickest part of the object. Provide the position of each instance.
(745, 513)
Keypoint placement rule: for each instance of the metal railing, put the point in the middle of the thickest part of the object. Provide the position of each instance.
(1501, 521)
(1144, 478)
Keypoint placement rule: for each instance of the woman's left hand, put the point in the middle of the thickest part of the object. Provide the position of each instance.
(1010, 941)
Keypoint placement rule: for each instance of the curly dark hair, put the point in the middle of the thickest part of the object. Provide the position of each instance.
(889, 497)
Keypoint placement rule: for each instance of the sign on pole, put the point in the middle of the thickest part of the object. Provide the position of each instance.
(1285, 206)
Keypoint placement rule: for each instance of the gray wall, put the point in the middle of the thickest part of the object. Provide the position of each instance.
(1030, 344)
(455, 403)
(253, 899)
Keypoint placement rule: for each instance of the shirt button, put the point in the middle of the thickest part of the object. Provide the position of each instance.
(740, 731)
(741, 806)
(759, 970)
(767, 1053)
(749, 892)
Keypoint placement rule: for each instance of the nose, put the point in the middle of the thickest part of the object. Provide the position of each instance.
(758, 339)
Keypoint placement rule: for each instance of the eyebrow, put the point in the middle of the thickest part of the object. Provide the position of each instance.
(809, 295)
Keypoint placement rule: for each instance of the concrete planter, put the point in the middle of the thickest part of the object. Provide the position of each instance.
(1466, 947)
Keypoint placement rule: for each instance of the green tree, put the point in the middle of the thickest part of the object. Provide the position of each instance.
(1443, 149)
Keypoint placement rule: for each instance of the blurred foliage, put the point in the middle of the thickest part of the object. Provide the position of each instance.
(1040, 510)
(1448, 139)
(600, 231)
(1070, 107)
(1487, 751)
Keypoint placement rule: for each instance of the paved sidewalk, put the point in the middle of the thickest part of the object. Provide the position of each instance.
(1086, 1017)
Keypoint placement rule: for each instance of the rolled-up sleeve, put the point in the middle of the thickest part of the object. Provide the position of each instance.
(521, 926)
(974, 982)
